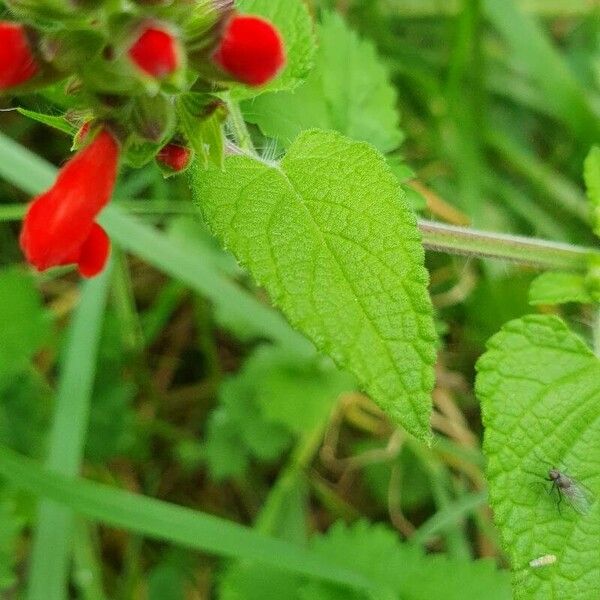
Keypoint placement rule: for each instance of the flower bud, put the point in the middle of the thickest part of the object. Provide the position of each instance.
(156, 52)
(59, 227)
(17, 63)
(251, 50)
(174, 157)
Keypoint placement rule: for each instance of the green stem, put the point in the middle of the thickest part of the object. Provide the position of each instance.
(451, 513)
(299, 461)
(87, 571)
(448, 8)
(438, 237)
(541, 254)
(239, 129)
(12, 212)
(124, 302)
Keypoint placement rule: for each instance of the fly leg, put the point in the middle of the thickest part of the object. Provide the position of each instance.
(560, 499)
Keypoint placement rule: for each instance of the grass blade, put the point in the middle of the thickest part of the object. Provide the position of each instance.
(48, 578)
(545, 66)
(164, 521)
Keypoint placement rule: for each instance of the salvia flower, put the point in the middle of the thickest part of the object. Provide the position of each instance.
(155, 52)
(176, 158)
(251, 50)
(17, 63)
(60, 225)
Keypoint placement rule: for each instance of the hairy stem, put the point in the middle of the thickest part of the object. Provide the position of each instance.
(437, 237)
(541, 254)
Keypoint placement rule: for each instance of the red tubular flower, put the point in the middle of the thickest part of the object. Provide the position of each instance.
(155, 52)
(59, 228)
(17, 63)
(251, 50)
(175, 157)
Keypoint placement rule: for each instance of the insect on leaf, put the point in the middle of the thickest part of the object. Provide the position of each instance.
(539, 385)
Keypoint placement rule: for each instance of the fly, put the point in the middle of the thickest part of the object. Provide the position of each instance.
(569, 489)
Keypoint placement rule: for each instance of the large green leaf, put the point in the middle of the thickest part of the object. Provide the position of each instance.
(328, 233)
(348, 90)
(293, 22)
(539, 385)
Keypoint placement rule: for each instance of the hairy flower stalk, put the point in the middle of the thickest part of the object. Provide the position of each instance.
(17, 63)
(59, 227)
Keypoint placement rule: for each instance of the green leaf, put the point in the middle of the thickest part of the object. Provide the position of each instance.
(348, 90)
(404, 175)
(559, 288)
(25, 324)
(539, 385)
(328, 234)
(222, 452)
(294, 23)
(237, 430)
(25, 410)
(59, 123)
(374, 551)
(591, 173)
(276, 393)
(168, 579)
(294, 392)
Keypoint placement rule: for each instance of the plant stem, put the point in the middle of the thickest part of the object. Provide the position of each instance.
(239, 129)
(541, 254)
(439, 237)
(447, 8)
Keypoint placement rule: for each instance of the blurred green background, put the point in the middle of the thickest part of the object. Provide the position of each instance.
(191, 402)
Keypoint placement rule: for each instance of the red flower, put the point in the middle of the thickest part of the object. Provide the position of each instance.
(174, 157)
(155, 52)
(17, 64)
(251, 50)
(60, 228)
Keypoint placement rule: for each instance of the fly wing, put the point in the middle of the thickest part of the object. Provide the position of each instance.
(579, 497)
